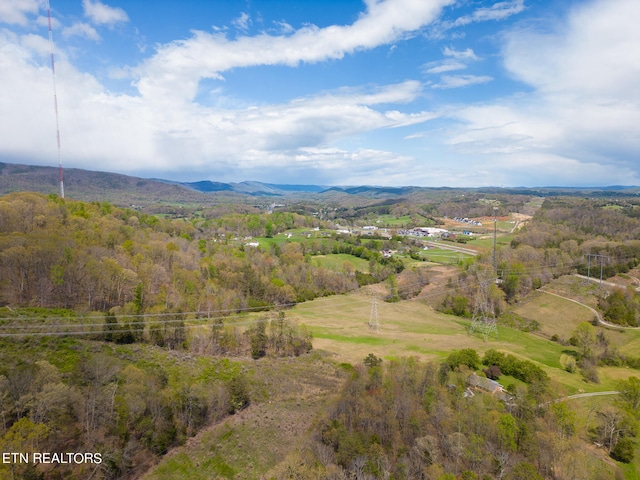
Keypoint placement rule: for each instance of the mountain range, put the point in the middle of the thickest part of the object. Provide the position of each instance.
(124, 190)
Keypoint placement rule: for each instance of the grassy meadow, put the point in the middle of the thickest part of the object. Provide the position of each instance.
(340, 325)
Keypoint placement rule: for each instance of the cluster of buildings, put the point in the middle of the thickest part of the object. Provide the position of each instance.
(475, 223)
(423, 232)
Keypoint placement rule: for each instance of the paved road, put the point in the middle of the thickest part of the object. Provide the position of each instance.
(601, 320)
(452, 247)
(585, 395)
(604, 282)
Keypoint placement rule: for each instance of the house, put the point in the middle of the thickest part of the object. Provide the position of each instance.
(484, 383)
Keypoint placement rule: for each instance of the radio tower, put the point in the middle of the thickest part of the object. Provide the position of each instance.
(55, 100)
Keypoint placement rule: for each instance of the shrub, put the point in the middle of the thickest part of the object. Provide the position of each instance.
(493, 372)
(466, 356)
(624, 450)
(523, 370)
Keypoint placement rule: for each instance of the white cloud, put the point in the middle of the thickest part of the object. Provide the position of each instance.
(578, 124)
(575, 122)
(17, 11)
(442, 66)
(467, 54)
(283, 27)
(101, 14)
(81, 29)
(243, 22)
(176, 69)
(497, 11)
(459, 81)
(130, 134)
(456, 62)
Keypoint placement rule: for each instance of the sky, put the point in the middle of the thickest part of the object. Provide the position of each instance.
(458, 93)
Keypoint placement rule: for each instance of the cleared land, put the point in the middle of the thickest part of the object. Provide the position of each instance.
(340, 325)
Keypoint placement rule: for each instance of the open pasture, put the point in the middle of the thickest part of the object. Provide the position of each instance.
(556, 316)
(340, 325)
(337, 262)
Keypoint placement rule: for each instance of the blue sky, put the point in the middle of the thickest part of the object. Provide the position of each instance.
(461, 93)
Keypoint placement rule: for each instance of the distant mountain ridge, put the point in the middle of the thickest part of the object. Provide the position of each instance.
(253, 188)
(124, 190)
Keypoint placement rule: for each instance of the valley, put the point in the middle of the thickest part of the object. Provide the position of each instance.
(328, 337)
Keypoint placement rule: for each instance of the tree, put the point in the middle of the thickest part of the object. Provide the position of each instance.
(630, 394)
(238, 393)
(585, 339)
(372, 361)
(565, 419)
(466, 356)
(611, 427)
(259, 340)
(493, 372)
(525, 471)
(110, 327)
(507, 432)
(24, 437)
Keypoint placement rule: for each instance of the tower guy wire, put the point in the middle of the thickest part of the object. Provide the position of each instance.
(55, 101)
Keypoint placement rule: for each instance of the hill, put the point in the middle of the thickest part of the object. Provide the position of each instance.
(223, 338)
(87, 185)
(124, 190)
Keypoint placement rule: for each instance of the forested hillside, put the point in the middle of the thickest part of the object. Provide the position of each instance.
(404, 419)
(93, 256)
(126, 333)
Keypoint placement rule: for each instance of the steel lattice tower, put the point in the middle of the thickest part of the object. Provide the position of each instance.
(374, 322)
(484, 317)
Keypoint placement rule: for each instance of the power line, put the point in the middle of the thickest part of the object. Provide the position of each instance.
(203, 317)
(194, 322)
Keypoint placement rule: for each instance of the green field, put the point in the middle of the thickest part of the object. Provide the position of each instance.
(441, 255)
(486, 241)
(340, 325)
(337, 261)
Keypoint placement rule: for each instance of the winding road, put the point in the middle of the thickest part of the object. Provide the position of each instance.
(601, 320)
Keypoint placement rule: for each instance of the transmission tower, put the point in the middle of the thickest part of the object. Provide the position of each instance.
(484, 317)
(374, 322)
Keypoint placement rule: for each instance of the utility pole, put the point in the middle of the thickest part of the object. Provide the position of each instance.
(601, 257)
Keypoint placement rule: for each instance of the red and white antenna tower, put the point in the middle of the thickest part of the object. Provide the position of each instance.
(55, 100)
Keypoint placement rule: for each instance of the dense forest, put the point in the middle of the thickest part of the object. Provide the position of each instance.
(93, 257)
